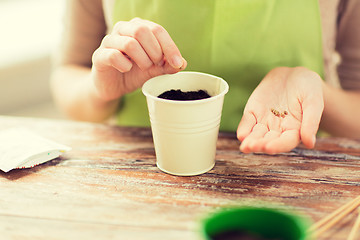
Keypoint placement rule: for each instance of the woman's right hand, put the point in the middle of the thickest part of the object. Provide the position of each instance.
(131, 54)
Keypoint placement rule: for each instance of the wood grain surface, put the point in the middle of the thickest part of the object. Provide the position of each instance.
(108, 186)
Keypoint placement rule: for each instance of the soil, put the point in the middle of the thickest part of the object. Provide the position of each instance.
(184, 96)
(236, 235)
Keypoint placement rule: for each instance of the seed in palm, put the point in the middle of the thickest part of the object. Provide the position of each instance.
(279, 114)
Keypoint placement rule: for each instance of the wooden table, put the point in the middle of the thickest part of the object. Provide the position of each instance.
(108, 186)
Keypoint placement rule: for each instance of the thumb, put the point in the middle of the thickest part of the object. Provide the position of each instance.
(312, 111)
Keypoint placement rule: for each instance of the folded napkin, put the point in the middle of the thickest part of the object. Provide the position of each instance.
(21, 148)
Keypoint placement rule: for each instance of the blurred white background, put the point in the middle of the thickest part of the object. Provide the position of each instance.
(30, 33)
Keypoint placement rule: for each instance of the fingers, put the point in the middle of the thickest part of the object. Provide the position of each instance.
(249, 144)
(130, 47)
(246, 124)
(164, 69)
(312, 111)
(284, 143)
(141, 33)
(153, 39)
(270, 142)
(268, 137)
(105, 58)
(169, 48)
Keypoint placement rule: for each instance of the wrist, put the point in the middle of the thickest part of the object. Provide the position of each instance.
(98, 99)
(104, 87)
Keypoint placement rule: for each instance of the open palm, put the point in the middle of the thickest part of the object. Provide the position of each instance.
(284, 109)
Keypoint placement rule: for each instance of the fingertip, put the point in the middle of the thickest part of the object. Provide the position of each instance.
(243, 148)
(250, 146)
(245, 126)
(269, 149)
(167, 68)
(240, 136)
(309, 141)
(314, 140)
(242, 133)
(177, 62)
(184, 64)
(308, 137)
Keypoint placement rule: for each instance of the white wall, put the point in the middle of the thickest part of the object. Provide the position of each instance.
(24, 84)
(30, 30)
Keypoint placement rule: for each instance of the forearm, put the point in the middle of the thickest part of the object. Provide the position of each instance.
(341, 116)
(76, 96)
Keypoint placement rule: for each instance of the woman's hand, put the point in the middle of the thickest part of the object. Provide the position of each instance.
(132, 53)
(284, 109)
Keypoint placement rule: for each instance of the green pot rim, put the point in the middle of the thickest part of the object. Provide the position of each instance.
(229, 218)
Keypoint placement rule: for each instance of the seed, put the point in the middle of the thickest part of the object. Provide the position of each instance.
(275, 112)
(278, 114)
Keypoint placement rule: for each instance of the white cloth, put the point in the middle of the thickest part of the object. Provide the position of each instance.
(21, 148)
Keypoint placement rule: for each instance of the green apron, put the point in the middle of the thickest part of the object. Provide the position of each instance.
(238, 40)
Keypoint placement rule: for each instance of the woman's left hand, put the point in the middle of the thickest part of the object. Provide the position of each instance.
(284, 110)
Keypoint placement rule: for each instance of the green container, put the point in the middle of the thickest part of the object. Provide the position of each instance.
(256, 223)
